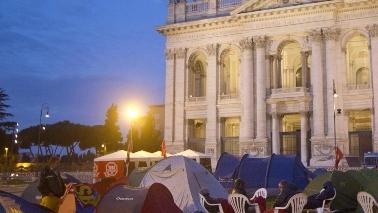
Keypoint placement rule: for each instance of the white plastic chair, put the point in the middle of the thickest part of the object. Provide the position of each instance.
(326, 207)
(261, 192)
(238, 202)
(203, 201)
(367, 202)
(297, 203)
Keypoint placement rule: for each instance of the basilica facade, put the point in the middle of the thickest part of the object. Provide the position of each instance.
(292, 77)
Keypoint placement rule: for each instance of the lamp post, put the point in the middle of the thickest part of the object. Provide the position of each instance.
(335, 95)
(44, 108)
(132, 114)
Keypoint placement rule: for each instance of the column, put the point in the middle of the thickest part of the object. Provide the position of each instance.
(169, 96)
(246, 91)
(179, 99)
(211, 97)
(373, 34)
(212, 11)
(276, 145)
(304, 129)
(260, 89)
(330, 35)
(317, 86)
(304, 57)
(274, 71)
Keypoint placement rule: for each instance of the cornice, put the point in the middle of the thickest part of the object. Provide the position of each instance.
(264, 15)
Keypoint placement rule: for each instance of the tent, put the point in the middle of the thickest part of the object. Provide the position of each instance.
(113, 164)
(123, 199)
(159, 200)
(267, 172)
(226, 166)
(136, 176)
(201, 158)
(347, 185)
(184, 178)
(12, 203)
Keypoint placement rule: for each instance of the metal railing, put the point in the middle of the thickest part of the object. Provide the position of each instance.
(357, 86)
(229, 3)
(230, 145)
(197, 144)
(196, 7)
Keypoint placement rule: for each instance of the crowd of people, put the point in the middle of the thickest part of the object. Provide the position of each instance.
(286, 191)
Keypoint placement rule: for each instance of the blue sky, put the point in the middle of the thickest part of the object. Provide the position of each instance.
(80, 56)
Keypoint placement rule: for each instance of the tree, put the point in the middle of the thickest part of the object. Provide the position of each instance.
(3, 106)
(111, 132)
(145, 136)
(5, 127)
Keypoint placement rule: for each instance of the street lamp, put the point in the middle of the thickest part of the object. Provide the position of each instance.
(132, 115)
(6, 152)
(44, 112)
(104, 147)
(335, 95)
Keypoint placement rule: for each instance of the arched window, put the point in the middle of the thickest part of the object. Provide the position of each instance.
(357, 59)
(229, 73)
(197, 76)
(291, 73)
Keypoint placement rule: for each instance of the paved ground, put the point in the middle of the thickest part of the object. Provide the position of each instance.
(14, 189)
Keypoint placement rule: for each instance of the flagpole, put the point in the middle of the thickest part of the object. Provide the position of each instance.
(334, 121)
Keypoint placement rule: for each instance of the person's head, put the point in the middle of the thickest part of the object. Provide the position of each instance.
(204, 192)
(239, 183)
(53, 162)
(282, 185)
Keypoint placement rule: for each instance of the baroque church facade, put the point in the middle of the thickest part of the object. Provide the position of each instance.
(292, 77)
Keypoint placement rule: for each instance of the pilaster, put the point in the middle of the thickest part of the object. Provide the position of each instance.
(169, 95)
(179, 122)
(260, 43)
(304, 144)
(211, 97)
(246, 92)
(373, 34)
(276, 145)
(331, 36)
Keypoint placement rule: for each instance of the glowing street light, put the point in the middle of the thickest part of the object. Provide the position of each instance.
(132, 114)
(6, 152)
(44, 108)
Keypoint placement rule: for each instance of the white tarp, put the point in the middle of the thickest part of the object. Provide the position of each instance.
(184, 178)
(193, 155)
(118, 155)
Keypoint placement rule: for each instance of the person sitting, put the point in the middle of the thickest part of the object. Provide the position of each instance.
(239, 187)
(316, 200)
(51, 185)
(211, 200)
(287, 190)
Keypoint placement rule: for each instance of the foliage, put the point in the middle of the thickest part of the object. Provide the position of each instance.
(3, 106)
(145, 136)
(111, 132)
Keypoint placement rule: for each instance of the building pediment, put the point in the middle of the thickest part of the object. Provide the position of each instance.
(257, 5)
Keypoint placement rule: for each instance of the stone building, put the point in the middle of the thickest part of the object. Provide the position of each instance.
(272, 76)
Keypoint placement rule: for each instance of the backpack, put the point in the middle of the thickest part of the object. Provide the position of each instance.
(52, 182)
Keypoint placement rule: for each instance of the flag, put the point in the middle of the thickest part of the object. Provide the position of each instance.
(12, 203)
(339, 156)
(129, 150)
(163, 150)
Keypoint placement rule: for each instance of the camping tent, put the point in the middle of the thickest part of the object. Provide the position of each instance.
(184, 178)
(159, 200)
(347, 185)
(113, 164)
(122, 199)
(267, 172)
(226, 166)
(201, 158)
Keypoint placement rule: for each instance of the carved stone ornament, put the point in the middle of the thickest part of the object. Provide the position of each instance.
(260, 41)
(373, 30)
(331, 33)
(316, 35)
(180, 53)
(246, 44)
(169, 54)
(211, 49)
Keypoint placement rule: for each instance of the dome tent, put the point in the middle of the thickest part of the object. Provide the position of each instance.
(184, 178)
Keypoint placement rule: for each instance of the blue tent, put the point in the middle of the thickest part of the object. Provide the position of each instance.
(267, 172)
(226, 166)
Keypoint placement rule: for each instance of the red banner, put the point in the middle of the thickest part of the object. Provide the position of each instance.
(105, 169)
